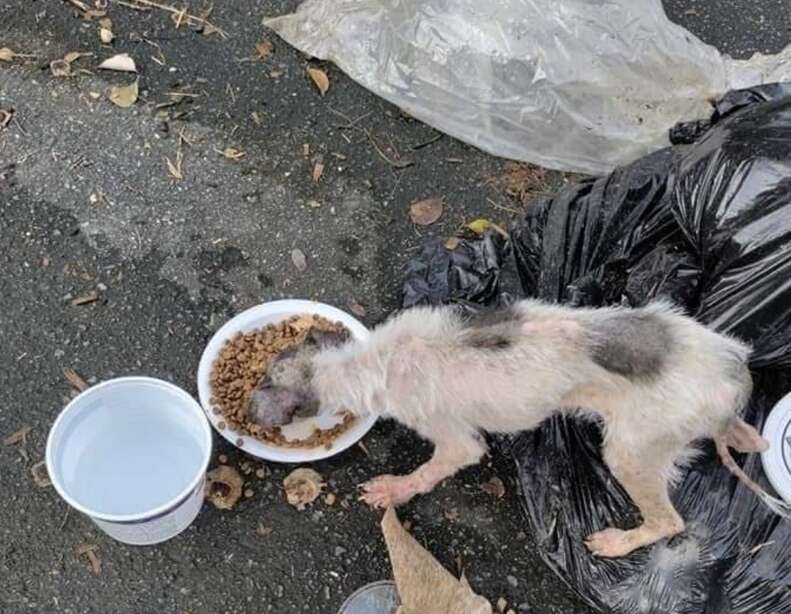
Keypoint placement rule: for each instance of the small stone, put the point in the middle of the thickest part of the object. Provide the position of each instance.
(248, 493)
(260, 473)
(340, 551)
(512, 581)
(223, 458)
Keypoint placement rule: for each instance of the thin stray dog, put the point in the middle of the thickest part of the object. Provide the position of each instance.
(655, 379)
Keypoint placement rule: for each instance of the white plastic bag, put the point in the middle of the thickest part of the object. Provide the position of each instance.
(576, 85)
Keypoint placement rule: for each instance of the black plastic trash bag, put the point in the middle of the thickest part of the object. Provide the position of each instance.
(468, 274)
(707, 225)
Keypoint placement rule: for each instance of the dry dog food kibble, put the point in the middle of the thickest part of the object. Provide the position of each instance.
(242, 363)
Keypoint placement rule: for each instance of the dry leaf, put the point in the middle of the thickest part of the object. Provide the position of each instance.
(481, 225)
(121, 62)
(89, 297)
(299, 260)
(330, 499)
(320, 79)
(89, 550)
(452, 243)
(175, 169)
(106, 22)
(71, 56)
(209, 29)
(40, 474)
(19, 437)
(427, 211)
(318, 171)
(106, 35)
(6, 55)
(494, 487)
(303, 486)
(93, 14)
(60, 68)
(5, 117)
(452, 514)
(233, 154)
(356, 308)
(74, 379)
(224, 487)
(124, 96)
(264, 49)
(263, 531)
(424, 585)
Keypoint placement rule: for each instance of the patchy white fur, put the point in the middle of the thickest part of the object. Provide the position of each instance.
(418, 369)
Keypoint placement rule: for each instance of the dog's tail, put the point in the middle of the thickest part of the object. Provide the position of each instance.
(745, 438)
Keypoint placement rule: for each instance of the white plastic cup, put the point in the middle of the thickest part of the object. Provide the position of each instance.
(375, 598)
(131, 453)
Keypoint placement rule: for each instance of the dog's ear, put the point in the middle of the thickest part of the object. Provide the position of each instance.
(323, 338)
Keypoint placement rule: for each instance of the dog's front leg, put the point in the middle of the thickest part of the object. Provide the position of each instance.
(451, 453)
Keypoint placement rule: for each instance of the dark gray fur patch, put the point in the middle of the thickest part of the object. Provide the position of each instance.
(489, 317)
(492, 329)
(632, 344)
(324, 338)
(487, 339)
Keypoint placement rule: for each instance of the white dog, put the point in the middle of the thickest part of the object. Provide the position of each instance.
(657, 381)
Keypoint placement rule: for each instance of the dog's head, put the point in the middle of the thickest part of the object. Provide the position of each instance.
(287, 391)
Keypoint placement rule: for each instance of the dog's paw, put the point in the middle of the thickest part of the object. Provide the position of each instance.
(610, 543)
(387, 490)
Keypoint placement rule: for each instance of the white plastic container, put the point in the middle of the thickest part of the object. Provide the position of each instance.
(777, 459)
(376, 598)
(258, 317)
(131, 453)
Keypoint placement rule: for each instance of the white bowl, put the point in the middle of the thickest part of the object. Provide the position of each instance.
(258, 317)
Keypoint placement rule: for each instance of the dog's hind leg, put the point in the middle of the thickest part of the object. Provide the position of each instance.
(644, 475)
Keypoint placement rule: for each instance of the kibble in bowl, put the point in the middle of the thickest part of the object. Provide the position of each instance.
(236, 359)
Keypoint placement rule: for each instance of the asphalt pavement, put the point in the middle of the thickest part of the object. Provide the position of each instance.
(89, 203)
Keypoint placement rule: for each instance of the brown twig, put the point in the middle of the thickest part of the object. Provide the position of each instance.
(19, 437)
(74, 379)
(431, 141)
(384, 156)
(130, 5)
(181, 14)
(80, 5)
